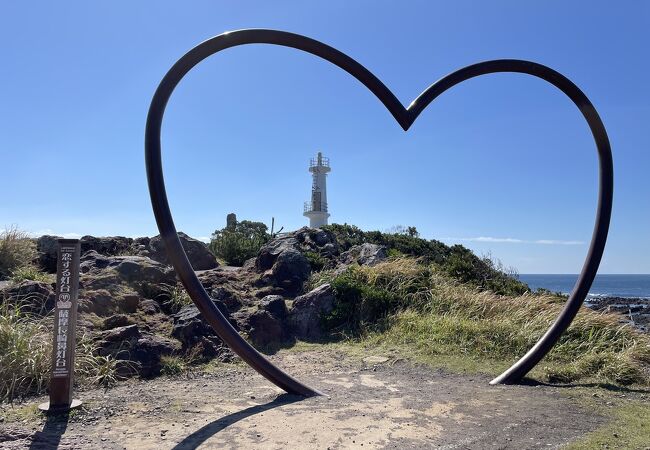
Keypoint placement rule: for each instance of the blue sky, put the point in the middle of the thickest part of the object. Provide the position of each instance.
(503, 164)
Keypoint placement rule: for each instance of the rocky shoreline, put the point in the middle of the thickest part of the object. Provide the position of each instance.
(633, 311)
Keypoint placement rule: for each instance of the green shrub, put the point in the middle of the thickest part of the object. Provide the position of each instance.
(31, 273)
(236, 245)
(25, 353)
(174, 297)
(172, 365)
(16, 250)
(316, 261)
(436, 315)
(457, 261)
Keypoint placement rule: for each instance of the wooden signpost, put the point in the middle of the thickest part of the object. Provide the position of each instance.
(65, 320)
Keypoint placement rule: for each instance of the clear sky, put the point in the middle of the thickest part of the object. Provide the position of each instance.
(504, 164)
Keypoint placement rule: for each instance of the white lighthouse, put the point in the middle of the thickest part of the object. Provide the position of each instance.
(316, 209)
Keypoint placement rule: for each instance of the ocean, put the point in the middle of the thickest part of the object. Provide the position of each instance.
(604, 285)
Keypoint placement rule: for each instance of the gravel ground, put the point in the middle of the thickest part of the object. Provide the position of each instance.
(373, 402)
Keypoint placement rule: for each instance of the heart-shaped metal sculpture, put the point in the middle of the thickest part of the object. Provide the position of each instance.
(405, 117)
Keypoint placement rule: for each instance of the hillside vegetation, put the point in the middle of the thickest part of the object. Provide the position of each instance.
(431, 301)
(416, 306)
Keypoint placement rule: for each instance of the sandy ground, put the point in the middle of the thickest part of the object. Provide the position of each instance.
(372, 402)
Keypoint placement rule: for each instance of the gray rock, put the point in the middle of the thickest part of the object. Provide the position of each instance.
(140, 268)
(93, 260)
(149, 307)
(197, 336)
(35, 297)
(108, 246)
(115, 321)
(265, 329)
(308, 309)
(290, 271)
(226, 297)
(269, 253)
(148, 352)
(365, 254)
(47, 247)
(197, 252)
(283, 265)
(275, 305)
(317, 240)
(140, 352)
(119, 334)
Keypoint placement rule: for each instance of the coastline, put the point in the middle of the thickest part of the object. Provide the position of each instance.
(634, 311)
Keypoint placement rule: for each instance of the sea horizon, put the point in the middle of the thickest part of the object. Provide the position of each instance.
(604, 285)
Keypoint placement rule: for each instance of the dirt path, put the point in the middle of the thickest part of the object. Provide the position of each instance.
(371, 403)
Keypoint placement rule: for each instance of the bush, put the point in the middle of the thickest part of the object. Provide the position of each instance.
(316, 261)
(237, 244)
(31, 273)
(423, 309)
(25, 353)
(172, 365)
(457, 261)
(16, 250)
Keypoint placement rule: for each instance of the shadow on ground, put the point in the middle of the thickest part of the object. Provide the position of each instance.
(204, 433)
(50, 438)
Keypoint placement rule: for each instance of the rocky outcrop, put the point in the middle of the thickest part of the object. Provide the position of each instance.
(365, 254)
(34, 297)
(47, 247)
(305, 315)
(275, 305)
(131, 303)
(283, 265)
(109, 246)
(197, 336)
(197, 252)
(141, 352)
(264, 329)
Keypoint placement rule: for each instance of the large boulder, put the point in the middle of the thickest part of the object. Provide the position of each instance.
(197, 336)
(317, 240)
(197, 252)
(34, 297)
(269, 253)
(142, 269)
(109, 246)
(265, 329)
(47, 247)
(283, 265)
(140, 352)
(365, 254)
(275, 305)
(290, 271)
(307, 310)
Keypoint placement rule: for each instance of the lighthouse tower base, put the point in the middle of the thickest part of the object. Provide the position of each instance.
(317, 218)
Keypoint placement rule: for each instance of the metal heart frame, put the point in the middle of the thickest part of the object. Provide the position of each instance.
(405, 117)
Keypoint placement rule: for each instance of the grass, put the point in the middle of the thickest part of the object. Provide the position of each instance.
(627, 425)
(26, 355)
(175, 298)
(31, 273)
(172, 365)
(16, 250)
(419, 309)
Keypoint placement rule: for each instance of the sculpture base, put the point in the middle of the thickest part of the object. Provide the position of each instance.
(45, 407)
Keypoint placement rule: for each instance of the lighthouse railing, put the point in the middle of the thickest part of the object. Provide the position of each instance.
(324, 162)
(318, 207)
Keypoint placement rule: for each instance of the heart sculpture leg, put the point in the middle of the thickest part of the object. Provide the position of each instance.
(405, 117)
